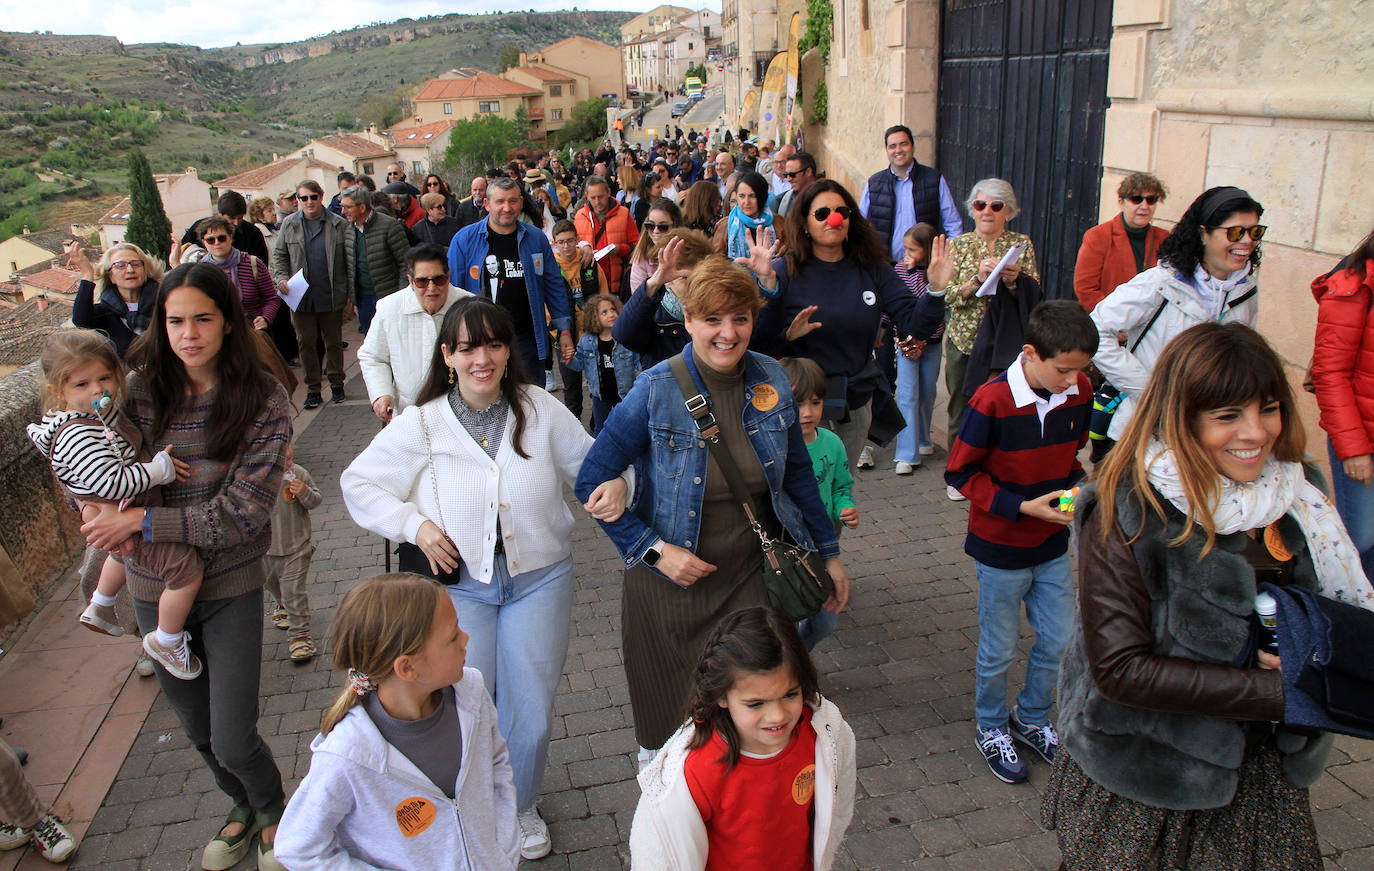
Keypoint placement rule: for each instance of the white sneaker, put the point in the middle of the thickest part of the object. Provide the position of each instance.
(144, 667)
(101, 618)
(534, 834)
(905, 468)
(865, 458)
(179, 661)
(12, 837)
(954, 495)
(52, 840)
(926, 450)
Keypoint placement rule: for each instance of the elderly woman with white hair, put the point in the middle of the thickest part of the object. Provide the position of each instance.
(973, 256)
(115, 296)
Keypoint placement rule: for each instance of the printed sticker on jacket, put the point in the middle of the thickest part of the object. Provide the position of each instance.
(416, 814)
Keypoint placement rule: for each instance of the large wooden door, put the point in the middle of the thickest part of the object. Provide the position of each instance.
(1023, 95)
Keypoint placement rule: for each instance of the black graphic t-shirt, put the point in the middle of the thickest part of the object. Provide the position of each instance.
(605, 366)
(503, 280)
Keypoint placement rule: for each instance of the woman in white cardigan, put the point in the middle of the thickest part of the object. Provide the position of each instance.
(471, 479)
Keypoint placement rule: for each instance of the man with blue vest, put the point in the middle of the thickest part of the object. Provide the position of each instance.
(907, 193)
(512, 264)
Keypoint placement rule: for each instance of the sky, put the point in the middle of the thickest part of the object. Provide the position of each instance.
(253, 21)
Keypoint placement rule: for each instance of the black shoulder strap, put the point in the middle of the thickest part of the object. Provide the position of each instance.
(1159, 311)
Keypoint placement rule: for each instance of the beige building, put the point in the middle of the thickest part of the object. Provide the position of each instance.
(643, 64)
(281, 174)
(467, 92)
(420, 146)
(656, 54)
(560, 90)
(185, 199)
(750, 36)
(656, 20)
(599, 62)
(366, 152)
(20, 252)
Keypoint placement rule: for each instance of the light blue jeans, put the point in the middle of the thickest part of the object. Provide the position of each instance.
(1355, 504)
(1047, 590)
(916, 382)
(517, 630)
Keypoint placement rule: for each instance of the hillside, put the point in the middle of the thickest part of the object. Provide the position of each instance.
(72, 107)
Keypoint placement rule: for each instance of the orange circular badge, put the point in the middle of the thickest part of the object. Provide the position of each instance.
(416, 814)
(765, 397)
(804, 786)
(1274, 543)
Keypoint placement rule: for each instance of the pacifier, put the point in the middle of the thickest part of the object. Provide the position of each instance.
(834, 220)
(103, 402)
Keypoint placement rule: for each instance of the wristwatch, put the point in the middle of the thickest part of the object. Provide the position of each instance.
(651, 556)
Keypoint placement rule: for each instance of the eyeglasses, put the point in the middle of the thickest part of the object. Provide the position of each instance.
(127, 264)
(309, 198)
(1148, 198)
(824, 212)
(1235, 234)
(214, 240)
(995, 205)
(422, 281)
(653, 227)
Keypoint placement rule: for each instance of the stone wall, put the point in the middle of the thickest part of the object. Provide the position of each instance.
(39, 534)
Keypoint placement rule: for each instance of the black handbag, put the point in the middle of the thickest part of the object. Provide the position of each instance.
(409, 557)
(795, 580)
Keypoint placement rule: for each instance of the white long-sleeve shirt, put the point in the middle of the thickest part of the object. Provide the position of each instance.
(396, 354)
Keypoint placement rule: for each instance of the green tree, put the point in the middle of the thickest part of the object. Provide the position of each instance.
(587, 126)
(510, 56)
(522, 122)
(476, 144)
(149, 228)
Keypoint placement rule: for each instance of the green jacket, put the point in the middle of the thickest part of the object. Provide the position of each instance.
(386, 254)
(833, 477)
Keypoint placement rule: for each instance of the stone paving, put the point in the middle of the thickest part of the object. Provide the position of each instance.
(899, 667)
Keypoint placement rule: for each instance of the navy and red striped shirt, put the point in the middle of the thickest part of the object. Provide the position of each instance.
(1005, 454)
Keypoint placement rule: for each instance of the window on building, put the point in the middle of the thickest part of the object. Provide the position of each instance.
(570, 90)
(556, 114)
(864, 18)
(367, 169)
(691, 45)
(489, 106)
(555, 90)
(448, 108)
(417, 167)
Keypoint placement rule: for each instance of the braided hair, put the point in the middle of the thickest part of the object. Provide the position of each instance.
(755, 640)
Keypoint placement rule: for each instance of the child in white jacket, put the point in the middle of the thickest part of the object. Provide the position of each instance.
(409, 770)
(762, 775)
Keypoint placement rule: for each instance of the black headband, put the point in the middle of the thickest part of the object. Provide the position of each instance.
(1218, 198)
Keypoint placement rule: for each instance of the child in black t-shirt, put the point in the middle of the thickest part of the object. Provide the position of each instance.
(609, 367)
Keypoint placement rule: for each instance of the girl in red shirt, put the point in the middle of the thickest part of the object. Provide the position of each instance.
(763, 773)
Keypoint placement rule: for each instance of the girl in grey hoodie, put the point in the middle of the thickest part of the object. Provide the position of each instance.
(409, 769)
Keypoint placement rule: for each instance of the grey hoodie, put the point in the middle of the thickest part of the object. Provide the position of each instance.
(365, 805)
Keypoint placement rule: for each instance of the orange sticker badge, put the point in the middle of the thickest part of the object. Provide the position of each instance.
(475, 271)
(1273, 542)
(804, 786)
(416, 814)
(765, 397)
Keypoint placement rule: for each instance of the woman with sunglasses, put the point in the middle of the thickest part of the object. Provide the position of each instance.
(991, 203)
(661, 215)
(435, 185)
(1124, 246)
(828, 296)
(1206, 273)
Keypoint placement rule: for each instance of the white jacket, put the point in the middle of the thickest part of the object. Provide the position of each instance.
(390, 488)
(400, 343)
(365, 805)
(668, 835)
(1131, 306)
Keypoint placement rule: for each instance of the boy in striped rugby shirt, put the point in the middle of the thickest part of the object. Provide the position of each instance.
(1015, 454)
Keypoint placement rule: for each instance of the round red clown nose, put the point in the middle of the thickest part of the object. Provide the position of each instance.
(834, 219)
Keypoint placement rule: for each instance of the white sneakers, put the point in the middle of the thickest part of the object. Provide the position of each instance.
(954, 495)
(905, 468)
(534, 834)
(926, 450)
(49, 837)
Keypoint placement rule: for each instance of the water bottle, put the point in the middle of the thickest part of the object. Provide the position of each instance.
(1267, 610)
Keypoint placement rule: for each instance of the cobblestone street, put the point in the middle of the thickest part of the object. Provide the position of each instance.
(899, 668)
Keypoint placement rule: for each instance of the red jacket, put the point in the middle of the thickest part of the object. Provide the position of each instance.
(620, 231)
(414, 213)
(1105, 260)
(1343, 359)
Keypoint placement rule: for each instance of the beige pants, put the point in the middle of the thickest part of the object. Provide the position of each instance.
(19, 804)
(286, 579)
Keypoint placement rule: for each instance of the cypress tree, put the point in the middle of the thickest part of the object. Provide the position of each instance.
(149, 228)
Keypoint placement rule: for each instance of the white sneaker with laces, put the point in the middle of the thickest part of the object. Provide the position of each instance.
(12, 837)
(101, 618)
(905, 468)
(954, 495)
(52, 840)
(179, 661)
(534, 834)
(865, 458)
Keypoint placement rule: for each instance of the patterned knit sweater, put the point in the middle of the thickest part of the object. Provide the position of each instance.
(225, 507)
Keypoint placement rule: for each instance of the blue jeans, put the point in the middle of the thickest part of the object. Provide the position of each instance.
(367, 309)
(1355, 504)
(601, 409)
(527, 346)
(517, 630)
(818, 626)
(916, 381)
(1047, 590)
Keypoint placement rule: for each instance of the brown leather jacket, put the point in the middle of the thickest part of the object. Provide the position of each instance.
(1116, 614)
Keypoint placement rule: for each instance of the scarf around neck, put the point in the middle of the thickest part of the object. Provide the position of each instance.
(230, 265)
(1281, 489)
(737, 242)
(1214, 290)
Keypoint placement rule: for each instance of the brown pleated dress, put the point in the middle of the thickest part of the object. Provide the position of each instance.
(663, 626)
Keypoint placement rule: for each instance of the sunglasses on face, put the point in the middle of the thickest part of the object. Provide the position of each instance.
(995, 205)
(214, 240)
(824, 212)
(309, 198)
(423, 281)
(657, 228)
(127, 264)
(390, 174)
(791, 174)
(1235, 234)
(431, 184)
(1138, 198)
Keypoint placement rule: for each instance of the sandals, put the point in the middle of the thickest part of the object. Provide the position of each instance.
(225, 851)
(279, 618)
(267, 858)
(302, 649)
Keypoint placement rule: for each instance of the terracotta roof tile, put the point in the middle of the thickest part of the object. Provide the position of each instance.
(547, 73)
(353, 146)
(420, 134)
(254, 178)
(24, 328)
(53, 279)
(479, 84)
(119, 214)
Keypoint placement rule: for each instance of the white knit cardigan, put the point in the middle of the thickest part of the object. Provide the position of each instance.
(396, 354)
(390, 488)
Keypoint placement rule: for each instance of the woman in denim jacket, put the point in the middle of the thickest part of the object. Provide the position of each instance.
(689, 552)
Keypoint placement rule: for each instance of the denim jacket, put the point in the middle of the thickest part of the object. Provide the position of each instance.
(652, 430)
(585, 361)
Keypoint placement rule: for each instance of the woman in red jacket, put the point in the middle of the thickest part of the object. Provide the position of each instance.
(1343, 376)
(1117, 250)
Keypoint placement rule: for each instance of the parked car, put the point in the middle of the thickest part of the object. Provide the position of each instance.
(680, 108)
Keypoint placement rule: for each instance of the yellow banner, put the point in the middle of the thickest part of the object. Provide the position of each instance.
(793, 73)
(746, 112)
(771, 103)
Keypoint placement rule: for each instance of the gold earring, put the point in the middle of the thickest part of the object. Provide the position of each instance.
(450, 376)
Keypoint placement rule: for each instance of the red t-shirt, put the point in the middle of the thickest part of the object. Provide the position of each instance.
(759, 814)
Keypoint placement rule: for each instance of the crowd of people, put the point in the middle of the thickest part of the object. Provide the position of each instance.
(747, 332)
